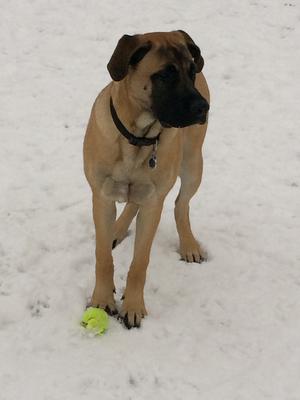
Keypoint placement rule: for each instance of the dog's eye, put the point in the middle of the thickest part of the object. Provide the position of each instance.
(192, 72)
(168, 73)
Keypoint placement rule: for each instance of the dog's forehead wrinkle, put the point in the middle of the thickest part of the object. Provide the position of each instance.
(176, 54)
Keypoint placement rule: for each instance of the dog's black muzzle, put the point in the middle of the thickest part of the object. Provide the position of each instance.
(198, 110)
(182, 110)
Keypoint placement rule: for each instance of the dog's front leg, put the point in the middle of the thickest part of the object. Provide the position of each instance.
(104, 213)
(133, 307)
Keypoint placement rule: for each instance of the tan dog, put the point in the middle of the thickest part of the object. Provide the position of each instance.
(146, 128)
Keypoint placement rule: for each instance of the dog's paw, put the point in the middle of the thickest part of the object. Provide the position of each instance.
(191, 251)
(119, 239)
(120, 233)
(108, 305)
(132, 315)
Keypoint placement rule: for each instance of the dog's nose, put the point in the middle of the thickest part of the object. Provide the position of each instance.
(199, 107)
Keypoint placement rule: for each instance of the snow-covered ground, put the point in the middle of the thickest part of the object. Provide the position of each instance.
(228, 329)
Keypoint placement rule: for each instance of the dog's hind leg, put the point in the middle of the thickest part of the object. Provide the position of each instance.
(123, 222)
(190, 175)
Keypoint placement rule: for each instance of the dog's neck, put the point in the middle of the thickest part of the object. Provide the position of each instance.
(147, 125)
(137, 118)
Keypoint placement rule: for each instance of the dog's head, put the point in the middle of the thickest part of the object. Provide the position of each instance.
(160, 70)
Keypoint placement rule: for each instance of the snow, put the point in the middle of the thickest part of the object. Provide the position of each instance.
(226, 329)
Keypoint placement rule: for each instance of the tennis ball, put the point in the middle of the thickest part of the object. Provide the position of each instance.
(95, 320)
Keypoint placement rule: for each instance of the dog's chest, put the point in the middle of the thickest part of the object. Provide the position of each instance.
(131, 176)
(130, 180)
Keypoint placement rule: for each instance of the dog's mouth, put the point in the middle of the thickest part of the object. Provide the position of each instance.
(196, 121)
(165, 124)
(183, 120)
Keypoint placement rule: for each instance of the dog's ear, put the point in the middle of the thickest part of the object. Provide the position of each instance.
(129, 51)
(194, 50)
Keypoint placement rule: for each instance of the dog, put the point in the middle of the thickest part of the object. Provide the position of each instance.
(146, 128)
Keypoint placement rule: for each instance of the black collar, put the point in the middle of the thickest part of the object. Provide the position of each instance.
(134, 140)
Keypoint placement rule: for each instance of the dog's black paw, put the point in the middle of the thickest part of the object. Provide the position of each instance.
(134, 321)
(194, 259)
(111, 311)
(191, 251)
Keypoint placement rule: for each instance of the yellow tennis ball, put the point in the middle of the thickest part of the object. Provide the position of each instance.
(95, 320)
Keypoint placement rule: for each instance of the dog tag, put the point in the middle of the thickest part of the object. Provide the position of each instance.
(153, 159)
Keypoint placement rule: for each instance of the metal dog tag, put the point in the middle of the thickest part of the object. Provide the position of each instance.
(153, 159)
(152, 162)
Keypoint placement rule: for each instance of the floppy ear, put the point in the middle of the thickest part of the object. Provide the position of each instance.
(194, 50)
(129, 51)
